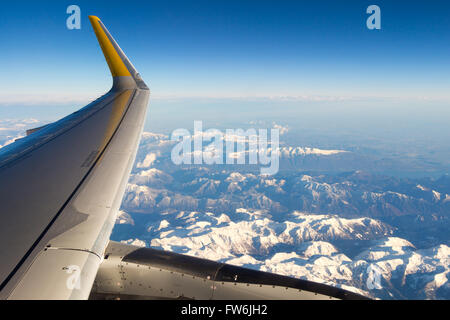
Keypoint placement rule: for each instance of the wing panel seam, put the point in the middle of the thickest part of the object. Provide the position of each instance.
(46, 229)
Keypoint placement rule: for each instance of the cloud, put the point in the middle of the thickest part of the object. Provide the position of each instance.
(11, 140)
(49, 98)
(84, 98)
(296, 98)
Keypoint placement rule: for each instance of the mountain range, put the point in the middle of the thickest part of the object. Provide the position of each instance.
(379, 235)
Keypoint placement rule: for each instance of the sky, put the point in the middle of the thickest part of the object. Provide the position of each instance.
(220, 58)
(232, 48)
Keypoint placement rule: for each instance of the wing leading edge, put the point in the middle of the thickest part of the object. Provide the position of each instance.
(62, 185)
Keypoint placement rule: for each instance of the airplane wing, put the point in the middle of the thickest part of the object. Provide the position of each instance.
(60, 191)
(62, 185)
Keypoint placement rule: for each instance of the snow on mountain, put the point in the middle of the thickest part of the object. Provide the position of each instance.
(152, 176)
(330, 227)
(238, 177)
(421, 188)
(347, 229)
(409, 273)
(204, 186)
(254, 232)
(436, 195)
(158, 147)
(137, 196)
(151, 136)
(333, 269)
(245, 261)
(124, 218)
(447, 198)
(289, 152)
(163, 225)
(317, 248)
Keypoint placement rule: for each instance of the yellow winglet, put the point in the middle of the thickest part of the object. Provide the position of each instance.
(115, 63)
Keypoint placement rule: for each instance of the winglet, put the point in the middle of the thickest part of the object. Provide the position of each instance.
(123, 72)
(115, 63)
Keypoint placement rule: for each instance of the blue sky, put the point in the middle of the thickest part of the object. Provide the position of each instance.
(230, 49)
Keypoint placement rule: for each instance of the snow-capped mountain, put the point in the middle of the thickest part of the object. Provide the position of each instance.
(256, 233)
(398, 202)
(385, 267)
(378, 235)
